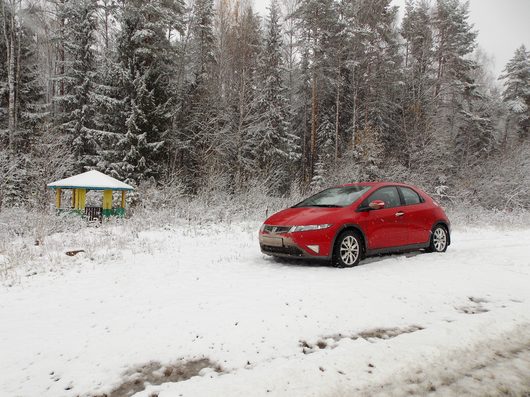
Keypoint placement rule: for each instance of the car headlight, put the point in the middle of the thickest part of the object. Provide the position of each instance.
(308, 228)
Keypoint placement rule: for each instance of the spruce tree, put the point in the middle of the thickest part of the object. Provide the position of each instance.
(24, 109)
(516, 93)
(475, 138)
(74, 102)
(275, 147)
(146, 59)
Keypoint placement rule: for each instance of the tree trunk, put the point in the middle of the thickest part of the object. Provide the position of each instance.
(10, 38)
(337, 119)
(354, 113)
(106, 25)
(61, 52)
(17, 99)
(314, 124)
(441, 61)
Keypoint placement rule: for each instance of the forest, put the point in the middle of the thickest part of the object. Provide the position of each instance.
(203, 95)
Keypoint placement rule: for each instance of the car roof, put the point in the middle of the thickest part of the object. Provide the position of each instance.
(376, 184)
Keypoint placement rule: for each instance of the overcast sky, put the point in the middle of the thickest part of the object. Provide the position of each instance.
(503, 26)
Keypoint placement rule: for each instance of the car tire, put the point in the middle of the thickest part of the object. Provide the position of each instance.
(439, 239)
(348, 249)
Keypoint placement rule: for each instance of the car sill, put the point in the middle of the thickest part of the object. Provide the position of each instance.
(396, 250)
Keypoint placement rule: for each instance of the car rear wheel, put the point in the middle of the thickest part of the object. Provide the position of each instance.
(348, 250)
(439, 239)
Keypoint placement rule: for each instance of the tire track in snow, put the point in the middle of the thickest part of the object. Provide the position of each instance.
(498, 367)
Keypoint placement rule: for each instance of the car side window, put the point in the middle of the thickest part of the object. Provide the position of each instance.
(410, 196)
(388, 194)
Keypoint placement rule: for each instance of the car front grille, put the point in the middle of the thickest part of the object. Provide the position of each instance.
(291, 251)
(277, 229)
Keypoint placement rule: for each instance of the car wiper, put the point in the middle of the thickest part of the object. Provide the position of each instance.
(318, 206)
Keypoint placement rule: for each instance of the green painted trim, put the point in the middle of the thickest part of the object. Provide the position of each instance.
(117, 212)
(90, 188)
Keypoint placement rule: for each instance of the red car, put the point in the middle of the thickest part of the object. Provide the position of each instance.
(344, 224)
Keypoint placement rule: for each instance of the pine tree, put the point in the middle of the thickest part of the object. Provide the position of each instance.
(517, 91)
(318, 29)
(419, 77)
(243, 46)
(369, 85)
(192, 135)
(454, 40)
(378, 78)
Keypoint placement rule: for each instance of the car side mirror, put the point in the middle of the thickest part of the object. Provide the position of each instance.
(377, 205)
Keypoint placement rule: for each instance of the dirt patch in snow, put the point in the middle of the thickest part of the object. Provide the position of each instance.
(154, 373)
(331, 341)
(475, 306)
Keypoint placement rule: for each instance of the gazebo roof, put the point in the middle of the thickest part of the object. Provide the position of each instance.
(91, 180)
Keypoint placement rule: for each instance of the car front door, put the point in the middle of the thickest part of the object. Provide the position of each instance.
(383, 228)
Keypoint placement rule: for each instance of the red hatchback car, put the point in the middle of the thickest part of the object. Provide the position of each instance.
(344, 224)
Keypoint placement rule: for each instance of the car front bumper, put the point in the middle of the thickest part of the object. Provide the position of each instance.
(284, 247)
(295, 245)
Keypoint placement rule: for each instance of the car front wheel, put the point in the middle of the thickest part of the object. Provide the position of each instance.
(348, 250)
(439, 239)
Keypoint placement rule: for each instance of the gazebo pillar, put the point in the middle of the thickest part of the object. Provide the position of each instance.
(58, 198)
(107, 202)
(81, 199)
(123, 199)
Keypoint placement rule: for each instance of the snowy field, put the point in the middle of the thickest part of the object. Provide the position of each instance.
(184, 312)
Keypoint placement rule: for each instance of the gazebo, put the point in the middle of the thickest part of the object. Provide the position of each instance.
(83, 183)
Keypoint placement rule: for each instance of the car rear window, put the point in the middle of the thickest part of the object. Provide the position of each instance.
(410, 196)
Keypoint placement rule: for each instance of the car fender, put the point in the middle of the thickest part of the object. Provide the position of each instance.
(446, 224)
(344, 227)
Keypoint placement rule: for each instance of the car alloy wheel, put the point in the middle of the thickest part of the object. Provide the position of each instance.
(439, 239)
(348, 250)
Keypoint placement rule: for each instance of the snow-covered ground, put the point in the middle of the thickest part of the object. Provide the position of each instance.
(175, 301)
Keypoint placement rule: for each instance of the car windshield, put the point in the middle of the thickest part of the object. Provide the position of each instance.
(335, 197)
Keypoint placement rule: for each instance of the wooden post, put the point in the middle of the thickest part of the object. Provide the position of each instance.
(123, 199)
(107, 199)
(73, 198)
(58, 198)
(81, 203)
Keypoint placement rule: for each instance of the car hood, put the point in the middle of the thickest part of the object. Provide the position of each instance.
(303, 216)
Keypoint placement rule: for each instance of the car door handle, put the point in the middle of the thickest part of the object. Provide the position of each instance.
(398, 214)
